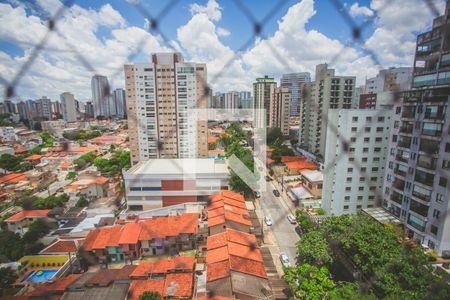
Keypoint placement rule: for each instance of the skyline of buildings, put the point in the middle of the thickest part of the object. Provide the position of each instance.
(294, 82)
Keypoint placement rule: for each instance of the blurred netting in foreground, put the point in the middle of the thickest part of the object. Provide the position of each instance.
(155, 18)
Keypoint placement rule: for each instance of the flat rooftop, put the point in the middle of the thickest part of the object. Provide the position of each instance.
(313, 175)
(381, 215)
(180, 166)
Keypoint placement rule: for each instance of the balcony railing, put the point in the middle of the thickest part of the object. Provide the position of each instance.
(432, 132)
(423, 197)
(400, 172)
(435, 116)
(401, 158)
(430, 165)
(408, 114)
(416, 225)
(427, 180)
(404, 143)
(397, 198)
(399, 184)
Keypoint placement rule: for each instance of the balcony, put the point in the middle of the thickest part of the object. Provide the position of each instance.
(408, 113)
(435, 115)
(406, 129)
(429, 147)
(400, 157)
(424, 178)
(400, 172)
(396, 197)
(398, 184)
(405, 143)
(416, 223)
(419, 208)
(431, 132)
(427, 163)
(423, 197)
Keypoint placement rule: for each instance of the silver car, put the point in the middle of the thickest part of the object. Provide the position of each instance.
(291, 219)
(284, 258)
(268, 221)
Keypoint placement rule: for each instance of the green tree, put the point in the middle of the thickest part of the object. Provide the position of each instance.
(303, 220)
(349, 291)
(7, 278)
(71, 175)
(36, 230)
(212, 146)
(82, 202)
(47, 139)
(313, 249)
(10, 162)
(150, 295)
(320, 211)
(308, 282)
(274, 135)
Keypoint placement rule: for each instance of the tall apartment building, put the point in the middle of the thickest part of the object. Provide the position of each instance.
(263, 90)
(119, 103)
(161, 97)
(388, 80)
(280, 110)
(69, 107)
(231, 100)
(23, 111)
(245, 100)
(417, 181)
(353, 181)
(44, 108)
(89, 110)
(100, 95)
(328, 91)
(294, 82)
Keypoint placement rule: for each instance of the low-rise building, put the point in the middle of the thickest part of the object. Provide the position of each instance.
(163, 182)
(89, 187)
(55, 128)
(6, 150)
(20, 221)
(7, 134)
(313, 181)
(146, 237)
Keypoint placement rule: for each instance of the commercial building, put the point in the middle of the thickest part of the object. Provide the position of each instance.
(69, 107)
(416, 185)
(163, 182)
(161, 100)
(231, 101)
(100, 95)
(263, 90)
(328, 91)
(354, 171)
(55, 128)
(294, 82)
(119, 103)
(89, 110)
(44, 109)
(7, 134)
(245, 100)
(280, 109)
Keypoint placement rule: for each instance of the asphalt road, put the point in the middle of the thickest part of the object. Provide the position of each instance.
(284, 231)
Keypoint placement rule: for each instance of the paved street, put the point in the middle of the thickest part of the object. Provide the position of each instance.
(283, 231)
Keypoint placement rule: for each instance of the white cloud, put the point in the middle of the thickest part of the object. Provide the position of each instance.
(356, 10)
(222, 32)
(212, 10)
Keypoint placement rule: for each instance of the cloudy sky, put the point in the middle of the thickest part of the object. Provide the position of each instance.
(98, 37)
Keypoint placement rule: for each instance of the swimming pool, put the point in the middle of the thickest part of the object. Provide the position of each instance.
(39, 275)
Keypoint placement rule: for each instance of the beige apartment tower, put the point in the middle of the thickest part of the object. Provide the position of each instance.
(162, 100)
(280, 109)
(263, 90)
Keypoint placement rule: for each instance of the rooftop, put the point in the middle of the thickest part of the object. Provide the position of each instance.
(180, 166)
(28, 214)
(312, 175)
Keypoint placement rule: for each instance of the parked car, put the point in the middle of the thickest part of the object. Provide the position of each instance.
(291, 219)
(257, 194)
(276, 193)
(298, 230)
(284, 258)
(268, 220)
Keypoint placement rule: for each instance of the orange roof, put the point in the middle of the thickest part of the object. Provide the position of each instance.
(301, 165)
(101, 180)
(216, 151)
(107, 139)
(163, 266)
(20, 150)
(62, 246)
(270, 161)
(28, 214)
(138, 287)
(82, 184)
(179, 285)
(218, 270)
(286, 159)
(227, 206)
(13, 178)
(144, 230)
(33, 157)
(59, 285)
(66, 164)
(231, 235)
(82, 149)
(215, 298)
(55, 149)
(212, 139)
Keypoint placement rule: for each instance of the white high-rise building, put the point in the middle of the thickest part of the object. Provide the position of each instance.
(44, 108)
(294, 82)
(161, 100)
(69, 107)
(231, 100)
(119, 103)
(353, 177)
(263, 90)
(100, 95)
(328, 91)
(280, 109)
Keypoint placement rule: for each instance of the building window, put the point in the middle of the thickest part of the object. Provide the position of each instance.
(436, 213)
(349, 179)
(439, 198)
(347, 198)
(347, 189)
(350, 170)
(434, 230)
(443, 181)
(353, 139)
(361, 188)
(447, 147)
(345, 206)
(446, 165)
(355, 119)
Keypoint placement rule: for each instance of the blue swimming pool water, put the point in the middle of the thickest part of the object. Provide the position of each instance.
(41, 275)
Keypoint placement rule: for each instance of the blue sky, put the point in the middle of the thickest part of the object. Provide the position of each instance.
(304, 33)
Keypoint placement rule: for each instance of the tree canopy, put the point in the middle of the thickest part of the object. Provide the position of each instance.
(308, 282)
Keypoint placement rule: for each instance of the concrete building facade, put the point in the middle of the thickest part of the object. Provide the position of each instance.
(161, 100)
(353, 179)
(164, 182)
(69, 107)
(44, 108)
(280, 110)
(263, 90)
(328, 91)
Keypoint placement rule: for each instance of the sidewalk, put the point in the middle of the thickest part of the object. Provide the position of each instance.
(285, 198)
